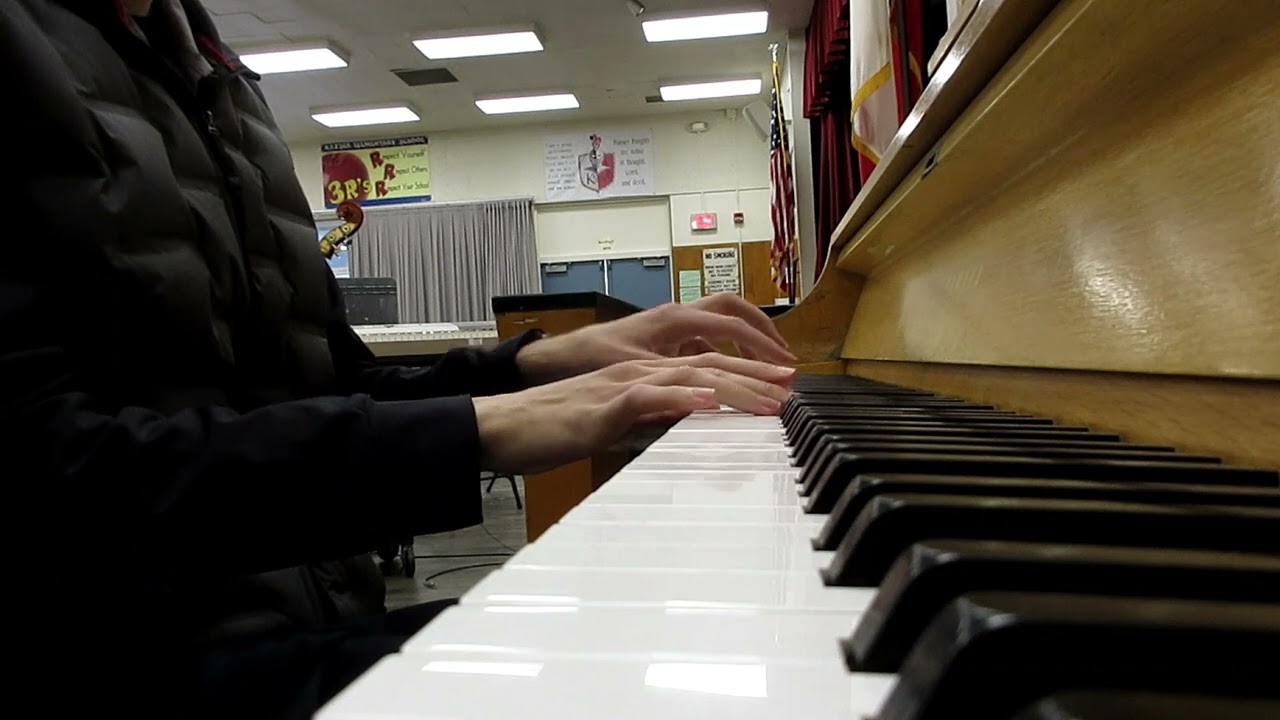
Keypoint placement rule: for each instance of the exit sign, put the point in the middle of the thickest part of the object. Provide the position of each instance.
(703, 221)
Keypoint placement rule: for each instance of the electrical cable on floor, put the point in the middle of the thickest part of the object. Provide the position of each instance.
(427, 580)
(495, 539)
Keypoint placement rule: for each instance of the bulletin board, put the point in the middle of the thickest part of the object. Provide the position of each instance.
(755, 274)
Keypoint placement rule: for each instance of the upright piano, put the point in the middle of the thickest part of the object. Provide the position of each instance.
(1029, 472)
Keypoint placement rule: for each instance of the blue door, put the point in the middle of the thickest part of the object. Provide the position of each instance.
(645, 282)
(568, 277)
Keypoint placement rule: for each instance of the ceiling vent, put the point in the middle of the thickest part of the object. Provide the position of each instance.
(653, 99)
(433, 76)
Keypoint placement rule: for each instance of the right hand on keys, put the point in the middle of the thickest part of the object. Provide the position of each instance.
(549, 425)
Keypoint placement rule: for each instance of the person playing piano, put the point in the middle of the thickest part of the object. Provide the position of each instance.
(189, 422)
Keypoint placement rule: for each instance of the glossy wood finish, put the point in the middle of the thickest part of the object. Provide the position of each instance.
(1238, 420)
(1108, 203)
(816, 328)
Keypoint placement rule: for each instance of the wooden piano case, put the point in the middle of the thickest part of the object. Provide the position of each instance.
(1079, 219)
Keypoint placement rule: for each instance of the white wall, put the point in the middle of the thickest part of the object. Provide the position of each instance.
(753, 203)
(721, 166)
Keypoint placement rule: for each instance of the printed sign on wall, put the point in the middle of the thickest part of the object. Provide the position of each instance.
(376, 172)
(593, 165)
(720, 268)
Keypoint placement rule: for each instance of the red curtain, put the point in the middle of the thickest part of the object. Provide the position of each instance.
(826, 105)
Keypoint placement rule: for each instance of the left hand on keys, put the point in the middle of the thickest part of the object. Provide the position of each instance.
(663, 332)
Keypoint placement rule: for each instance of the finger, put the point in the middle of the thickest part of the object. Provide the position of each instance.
(696, 346)
(714, 326)
(768, 372)
(662, 418)
(649, 400)
(735, 305)
(736, 391)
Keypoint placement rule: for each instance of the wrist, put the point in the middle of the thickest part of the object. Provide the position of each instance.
(542, 361)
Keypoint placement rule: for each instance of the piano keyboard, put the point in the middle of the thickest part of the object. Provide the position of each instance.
(879, 552)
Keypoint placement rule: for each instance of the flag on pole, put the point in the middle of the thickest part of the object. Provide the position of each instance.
(875, 71)
(782, 197)
(875, 103)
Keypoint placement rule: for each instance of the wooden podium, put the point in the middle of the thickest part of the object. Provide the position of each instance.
(549, 495)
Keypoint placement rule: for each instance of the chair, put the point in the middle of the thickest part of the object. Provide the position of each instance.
(495, 477)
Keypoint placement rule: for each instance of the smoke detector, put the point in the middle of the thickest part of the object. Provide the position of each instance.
(698, 127)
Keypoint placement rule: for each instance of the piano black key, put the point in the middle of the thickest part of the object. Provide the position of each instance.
(864, 488)
(797, 428)
(822, 434)
(826, 449)
(808, 441)
(823, 490)
(826, 466)
(988, 655)
(934, 572)
(796, 404)
(1121, 705)
(891, 523)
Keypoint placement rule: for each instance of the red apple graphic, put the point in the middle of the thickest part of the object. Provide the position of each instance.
(341, 167)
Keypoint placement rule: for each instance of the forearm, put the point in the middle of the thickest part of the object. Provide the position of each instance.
(235, 494)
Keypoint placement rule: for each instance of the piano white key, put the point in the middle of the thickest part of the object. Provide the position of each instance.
(628, 474)
(716, 453)
(756, 536)
(696, 492)
(710, 515)
(660, 463)
(430, 686)
(547, 553)
(730, 589)
(691, 634)
(729, 422)
(724, 436)
(707, 470)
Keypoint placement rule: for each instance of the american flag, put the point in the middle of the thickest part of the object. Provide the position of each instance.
(783, 196)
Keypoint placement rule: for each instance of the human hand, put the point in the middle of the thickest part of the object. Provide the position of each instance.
(549, 425)
(662, 332)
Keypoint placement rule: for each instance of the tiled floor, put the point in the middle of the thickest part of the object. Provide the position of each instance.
(501, 535)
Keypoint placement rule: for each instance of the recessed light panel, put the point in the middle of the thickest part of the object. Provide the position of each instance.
(507, 43)
(530, 103)
(286, 61)
(706, 26)
(719, 89)
(369, 116)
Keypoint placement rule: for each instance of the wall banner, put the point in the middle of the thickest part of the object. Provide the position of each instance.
(376, 172)
(594, 165)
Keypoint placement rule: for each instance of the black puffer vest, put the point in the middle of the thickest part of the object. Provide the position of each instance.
(202, 283)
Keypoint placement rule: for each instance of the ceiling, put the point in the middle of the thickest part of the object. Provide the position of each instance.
(594, 48)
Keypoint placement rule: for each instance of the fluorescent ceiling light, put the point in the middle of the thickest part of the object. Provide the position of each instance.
(532, 103)
(706, 26)
(370, 116)
(701, 91)
(507, 43)
(285, 61)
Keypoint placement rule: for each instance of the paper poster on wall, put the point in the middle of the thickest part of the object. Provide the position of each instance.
(690, 286)
(720, 267)
(602, 164)
(376, 172)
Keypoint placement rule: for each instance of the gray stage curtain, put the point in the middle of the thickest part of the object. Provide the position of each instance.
(449, 260)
